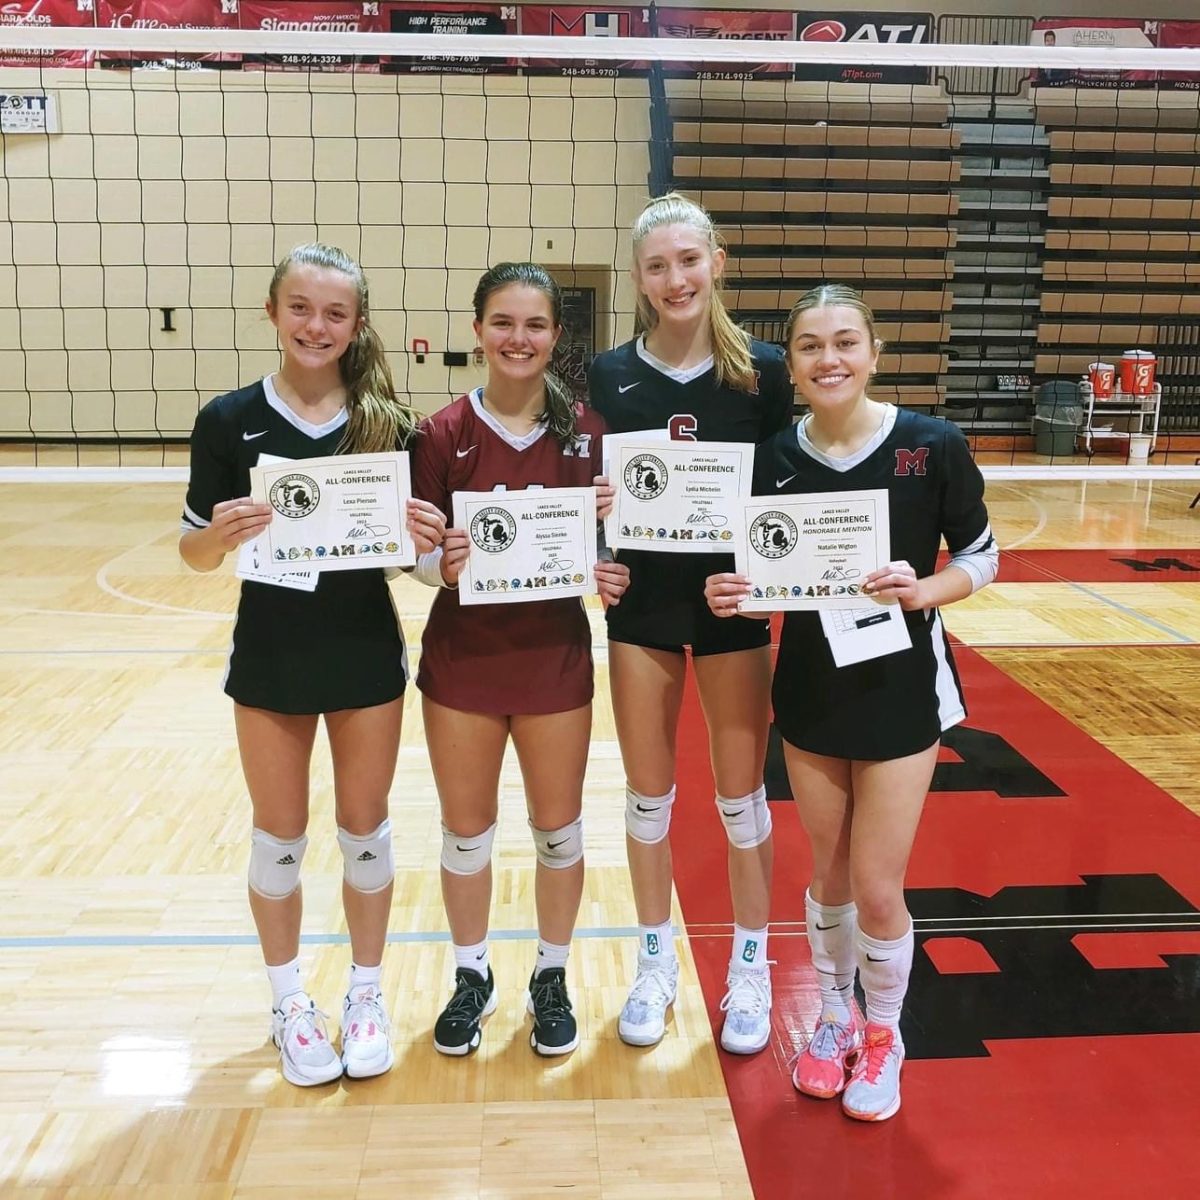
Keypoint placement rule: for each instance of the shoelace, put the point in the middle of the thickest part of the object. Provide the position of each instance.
(652, 985)
(368, 1007)
(469, 998)
(829, 1038)
(549, 996)
(307, 1018)
(749, 992)
(873, 1056)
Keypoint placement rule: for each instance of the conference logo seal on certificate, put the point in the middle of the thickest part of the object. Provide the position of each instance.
(336, 513)
(536, 544)
(811, 551)
(682, 497)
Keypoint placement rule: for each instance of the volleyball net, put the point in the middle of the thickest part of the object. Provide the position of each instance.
(1013, 212)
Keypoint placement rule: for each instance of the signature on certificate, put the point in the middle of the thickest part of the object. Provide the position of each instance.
(714, 520)
(841, 573)
(557, 564)
(362, 530)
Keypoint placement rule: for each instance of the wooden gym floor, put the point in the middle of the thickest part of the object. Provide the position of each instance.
(133, 1008)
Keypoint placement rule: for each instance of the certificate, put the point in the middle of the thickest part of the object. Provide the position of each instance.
(335, 514)
(682, 497)
(252, 558)
(811, 551)
(536, 544)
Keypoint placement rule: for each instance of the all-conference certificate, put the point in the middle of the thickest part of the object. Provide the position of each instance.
(811, 551)
(535, 544)
(336, 513)
(682, 497)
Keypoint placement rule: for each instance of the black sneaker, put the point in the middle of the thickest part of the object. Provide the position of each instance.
(554, 1028)
(457, 1030)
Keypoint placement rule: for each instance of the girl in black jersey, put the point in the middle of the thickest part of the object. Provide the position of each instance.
(861, 741)
(336, 651)
(697, 375)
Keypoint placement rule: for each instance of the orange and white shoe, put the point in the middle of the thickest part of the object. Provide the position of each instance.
(873, 1093)
(822, 1066)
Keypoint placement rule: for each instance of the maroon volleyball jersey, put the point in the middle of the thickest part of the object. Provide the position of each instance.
(533, 657)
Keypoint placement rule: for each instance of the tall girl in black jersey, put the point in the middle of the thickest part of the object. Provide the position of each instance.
(296, 655)
(861, 741)
(697, 375)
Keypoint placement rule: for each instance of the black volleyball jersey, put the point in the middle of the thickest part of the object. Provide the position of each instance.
(232, 430)
(337, 647)
(934, 488)
(632, 390)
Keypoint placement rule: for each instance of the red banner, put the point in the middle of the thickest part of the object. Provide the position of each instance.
(561, 20)
(315, 17)
(1179, 35)
(1094, 32)
(166, 14)
(724, 24)
(863, 29)
(450, 20)
(45, 14)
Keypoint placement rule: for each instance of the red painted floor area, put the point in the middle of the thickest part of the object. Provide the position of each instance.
(1054, 1018)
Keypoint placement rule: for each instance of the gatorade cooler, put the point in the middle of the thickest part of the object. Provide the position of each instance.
(1102, 377)
(1137, 372)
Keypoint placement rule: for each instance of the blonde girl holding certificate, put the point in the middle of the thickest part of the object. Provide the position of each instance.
(336, 651)
(861, 741)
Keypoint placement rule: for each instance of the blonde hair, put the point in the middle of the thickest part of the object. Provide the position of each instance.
(377, 419)
(826, 296)
(730, 344)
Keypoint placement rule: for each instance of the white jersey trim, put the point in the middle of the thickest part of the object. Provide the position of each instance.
(192, 520)
(505, 435)
(860, 455)
(294, 419)
(678, 374)
(950, 702)
(980, 560)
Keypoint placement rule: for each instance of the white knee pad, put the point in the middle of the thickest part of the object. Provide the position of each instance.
(369, 865)
(647, 818)
(558, 848)
(467, 855)
(275, 864)
(747, 819)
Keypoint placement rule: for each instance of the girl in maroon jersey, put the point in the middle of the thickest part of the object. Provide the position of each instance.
(523, 671)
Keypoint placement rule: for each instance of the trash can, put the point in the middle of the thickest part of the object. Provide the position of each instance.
(1057, 419)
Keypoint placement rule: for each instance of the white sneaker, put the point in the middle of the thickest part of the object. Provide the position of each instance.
(643, 1019)
(873, 1093)
(366, 1044)
(747, 1009)
(305, 1055)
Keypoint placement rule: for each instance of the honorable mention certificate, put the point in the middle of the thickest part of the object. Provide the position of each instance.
(336, 513)
(811, 551)
(682, 497)
(536, 544)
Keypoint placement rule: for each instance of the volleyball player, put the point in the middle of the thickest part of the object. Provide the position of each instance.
(491, 672)
(861, 741)
(697, 375)
(337, 651)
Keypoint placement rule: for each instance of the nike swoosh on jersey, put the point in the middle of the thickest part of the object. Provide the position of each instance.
(784, 482)
(624, 387)
(249, 437)
(464, 453)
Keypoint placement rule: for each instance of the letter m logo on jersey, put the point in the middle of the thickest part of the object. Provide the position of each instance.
(911, 462)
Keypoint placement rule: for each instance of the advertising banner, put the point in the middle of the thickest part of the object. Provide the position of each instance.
(1179, 35)
(166, 14)
(726, 24)
(564, 20)
(450, 20)
(45, 14)
(1106, 32)
(858, 29)
(316, 17)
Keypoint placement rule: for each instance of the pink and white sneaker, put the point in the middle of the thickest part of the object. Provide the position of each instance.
(366, 1044)
(822, 1066)
(305, 1055)
(873, 1093)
